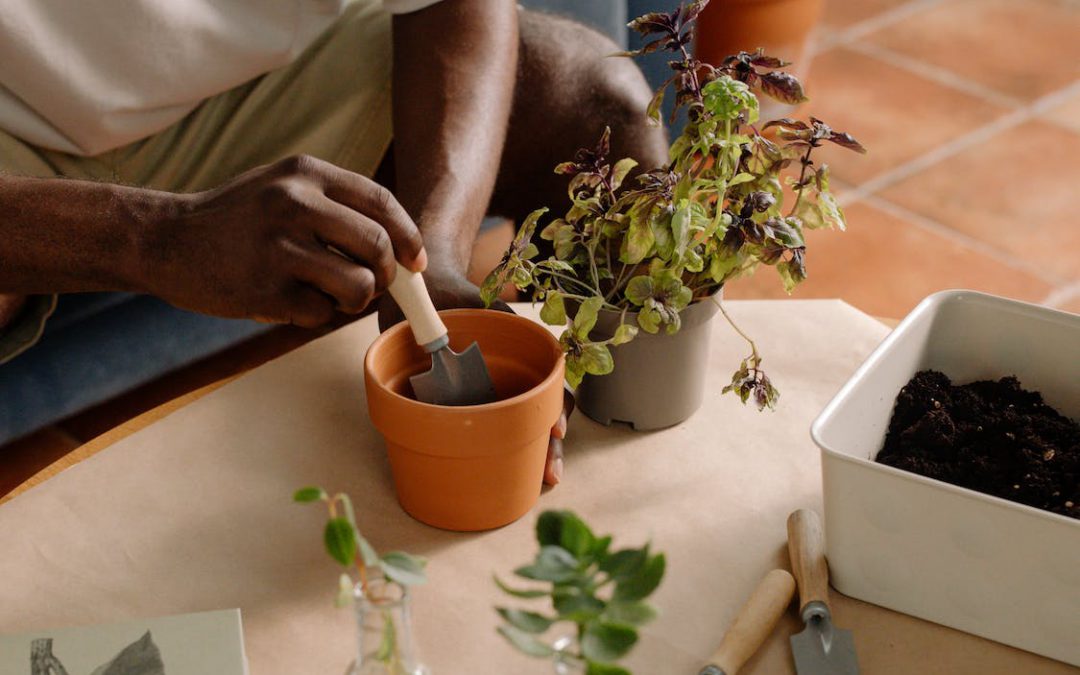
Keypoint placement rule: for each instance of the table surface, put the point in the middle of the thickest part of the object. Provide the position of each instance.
(197, 516)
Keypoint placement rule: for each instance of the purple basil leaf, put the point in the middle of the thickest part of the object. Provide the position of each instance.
(691, 11)
(788, 123)
(653, 22)
(848, 141)
(782, 87)
(760, 59)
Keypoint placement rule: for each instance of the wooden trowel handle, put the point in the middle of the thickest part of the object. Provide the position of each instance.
(410, 293)
(754, 622)
(806, 546)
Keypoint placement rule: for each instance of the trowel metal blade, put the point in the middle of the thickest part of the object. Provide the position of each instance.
(823, 649)
(455, 379)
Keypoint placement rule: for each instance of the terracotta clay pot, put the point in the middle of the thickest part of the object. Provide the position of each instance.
(468, 467)
(659, 379)
(782, 27)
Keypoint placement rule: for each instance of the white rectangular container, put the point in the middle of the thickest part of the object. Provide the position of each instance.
(981, 564)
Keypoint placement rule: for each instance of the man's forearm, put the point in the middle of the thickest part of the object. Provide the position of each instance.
(454, 69)
(60, 235)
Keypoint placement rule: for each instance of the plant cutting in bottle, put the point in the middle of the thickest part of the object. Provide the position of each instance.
(375, 575)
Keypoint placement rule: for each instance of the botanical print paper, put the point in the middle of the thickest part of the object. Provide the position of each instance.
(189, 644)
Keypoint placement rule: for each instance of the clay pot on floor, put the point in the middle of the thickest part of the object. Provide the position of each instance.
(468, 467)
(659, 379)
(784, 28)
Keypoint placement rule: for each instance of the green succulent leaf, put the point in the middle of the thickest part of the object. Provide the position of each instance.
(566, 530)
(632, 613)
(526, 643)
(604, 641)
(553, 563)
(574, 604)
(525, 594)
(594, 668)
(625, 564)
(644, 582)
(529, 622)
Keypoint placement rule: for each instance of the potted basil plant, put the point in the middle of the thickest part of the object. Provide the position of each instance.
(635, 268)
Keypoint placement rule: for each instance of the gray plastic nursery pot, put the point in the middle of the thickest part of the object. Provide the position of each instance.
(659, 379)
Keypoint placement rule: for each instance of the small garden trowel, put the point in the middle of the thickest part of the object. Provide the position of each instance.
(754, 623)
(822, 648)
(454, 379)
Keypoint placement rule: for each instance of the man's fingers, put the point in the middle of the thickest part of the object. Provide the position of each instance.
(559, 430)
(358, 237)
(352, 286)
(309, 308)
(376, 202)
(553, 470)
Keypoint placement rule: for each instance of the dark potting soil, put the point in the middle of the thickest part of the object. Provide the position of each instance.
(994, 437)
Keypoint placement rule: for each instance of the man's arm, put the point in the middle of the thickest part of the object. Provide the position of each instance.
(455, 64)
(256, 247)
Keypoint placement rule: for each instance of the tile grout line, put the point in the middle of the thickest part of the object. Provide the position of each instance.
(873, 24)
(933, 73)
(955, 236)
(1059, 296)
(962, 143)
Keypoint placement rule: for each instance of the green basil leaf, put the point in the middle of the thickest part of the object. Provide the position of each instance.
(553, 312)
(340, 540)
(596, 359)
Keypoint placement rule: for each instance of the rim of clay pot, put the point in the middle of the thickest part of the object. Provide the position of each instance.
(391, 333)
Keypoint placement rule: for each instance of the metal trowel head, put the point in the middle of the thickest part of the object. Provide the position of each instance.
(822, 648)
(455, 379)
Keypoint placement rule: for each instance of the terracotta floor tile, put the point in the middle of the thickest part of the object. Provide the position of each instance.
(1016, 192)
(844, 13)
(895, 114)
(237, 359)
(23, 458)
(1067, 113)
(885, 265)
(1023, 48)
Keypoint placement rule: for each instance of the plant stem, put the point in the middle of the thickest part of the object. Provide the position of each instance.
(731, 322)
(802, 177)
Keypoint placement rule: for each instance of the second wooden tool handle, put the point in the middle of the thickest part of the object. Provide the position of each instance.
(412, 297)
(755, 621)
(806, 546)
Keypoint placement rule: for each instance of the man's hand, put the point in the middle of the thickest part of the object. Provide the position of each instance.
(10, 306)
(292, 242)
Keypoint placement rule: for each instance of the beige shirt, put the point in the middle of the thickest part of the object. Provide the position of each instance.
(87, 76)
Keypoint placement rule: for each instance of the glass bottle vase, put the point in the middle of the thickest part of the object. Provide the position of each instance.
(385, 641)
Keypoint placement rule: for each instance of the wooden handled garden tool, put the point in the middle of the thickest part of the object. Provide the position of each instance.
(454, 379)
(755, 621)
(821, 649)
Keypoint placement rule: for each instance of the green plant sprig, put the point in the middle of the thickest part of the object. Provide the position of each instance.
(600, 592)
(352, 550)
(713, 214)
